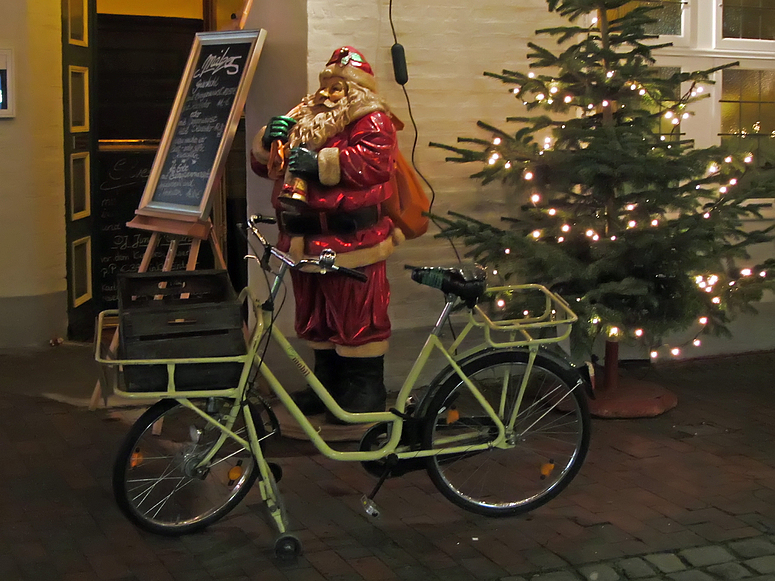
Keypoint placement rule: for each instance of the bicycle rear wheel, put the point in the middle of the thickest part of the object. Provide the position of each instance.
(544, 451)
(157, 482)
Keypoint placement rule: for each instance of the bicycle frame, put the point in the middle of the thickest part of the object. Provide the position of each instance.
(432, 343)
(556, 313)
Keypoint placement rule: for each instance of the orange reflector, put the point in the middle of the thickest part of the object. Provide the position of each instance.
(137, 458)
(235, 473)
(452, 416)
(547, 469)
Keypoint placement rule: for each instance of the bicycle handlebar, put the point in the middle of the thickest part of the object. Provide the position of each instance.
(324, 263)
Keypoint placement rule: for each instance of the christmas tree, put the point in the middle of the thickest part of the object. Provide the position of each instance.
(619, 213)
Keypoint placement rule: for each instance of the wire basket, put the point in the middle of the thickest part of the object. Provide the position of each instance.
(527, 314)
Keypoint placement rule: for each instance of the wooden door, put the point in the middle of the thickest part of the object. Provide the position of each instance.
(139, 61)
(78, 18)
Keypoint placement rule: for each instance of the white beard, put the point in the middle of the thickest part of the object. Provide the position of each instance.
(314, 129)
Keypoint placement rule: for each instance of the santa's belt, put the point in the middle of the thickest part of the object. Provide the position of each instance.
(337, 223)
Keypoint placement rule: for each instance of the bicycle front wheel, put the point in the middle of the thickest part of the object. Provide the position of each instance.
(159, 481)
(543, 451)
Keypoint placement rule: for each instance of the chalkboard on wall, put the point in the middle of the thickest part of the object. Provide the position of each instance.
(123, 173)
(201, 126)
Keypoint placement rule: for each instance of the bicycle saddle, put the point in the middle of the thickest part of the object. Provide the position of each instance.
(467, 281)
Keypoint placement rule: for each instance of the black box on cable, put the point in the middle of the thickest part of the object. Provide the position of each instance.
(179, 314)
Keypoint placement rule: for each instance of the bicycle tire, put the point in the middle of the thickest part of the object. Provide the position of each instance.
(155, 481)
(517, 478)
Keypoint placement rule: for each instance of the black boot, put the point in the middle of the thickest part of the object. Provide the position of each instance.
(362, 385)
(327, 368)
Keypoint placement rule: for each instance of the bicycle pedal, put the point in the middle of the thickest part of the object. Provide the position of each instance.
(370, 506)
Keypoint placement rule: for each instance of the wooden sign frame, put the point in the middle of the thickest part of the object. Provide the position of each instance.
(153, 203)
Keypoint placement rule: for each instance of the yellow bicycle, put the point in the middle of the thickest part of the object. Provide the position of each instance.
(501, 429)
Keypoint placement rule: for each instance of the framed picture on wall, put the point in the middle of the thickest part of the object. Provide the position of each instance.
(7, 91)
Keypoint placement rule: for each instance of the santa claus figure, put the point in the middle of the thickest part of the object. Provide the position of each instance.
(340, 144)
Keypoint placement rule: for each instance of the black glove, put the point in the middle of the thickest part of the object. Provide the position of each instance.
(303, 162)
(278, 128)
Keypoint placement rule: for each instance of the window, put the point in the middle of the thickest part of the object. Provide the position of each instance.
(669, 127)
(748, 111)
(669, 21)
(753, 19)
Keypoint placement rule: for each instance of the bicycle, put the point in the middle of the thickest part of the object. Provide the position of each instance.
(513, 406)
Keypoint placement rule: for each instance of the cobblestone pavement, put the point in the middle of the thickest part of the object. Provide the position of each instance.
(687, 496)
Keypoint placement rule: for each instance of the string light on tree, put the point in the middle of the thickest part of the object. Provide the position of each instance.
(627, 202)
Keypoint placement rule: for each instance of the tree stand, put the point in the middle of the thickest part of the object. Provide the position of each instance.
(627, 397)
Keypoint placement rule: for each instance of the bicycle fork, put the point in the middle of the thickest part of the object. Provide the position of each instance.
(267, 484)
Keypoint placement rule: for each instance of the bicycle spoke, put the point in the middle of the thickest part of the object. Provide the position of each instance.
(155, 483)
(539, 455)
(168, 490)
(164, 500)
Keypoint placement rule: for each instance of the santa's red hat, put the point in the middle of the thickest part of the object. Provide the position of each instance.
(348, 63)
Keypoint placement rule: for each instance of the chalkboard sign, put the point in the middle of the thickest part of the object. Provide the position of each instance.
(122, 175)
(202, 124)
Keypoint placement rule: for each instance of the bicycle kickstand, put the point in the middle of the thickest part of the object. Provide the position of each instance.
(367, 501)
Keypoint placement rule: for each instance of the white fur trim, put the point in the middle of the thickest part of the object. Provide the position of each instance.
(350, 73)
(373, 349)
(363, 256)
(358, 110)
(329, 170)
(320, 345)
(260, 154)
(297, 248)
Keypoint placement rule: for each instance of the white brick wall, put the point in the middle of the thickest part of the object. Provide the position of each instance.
(448, 44)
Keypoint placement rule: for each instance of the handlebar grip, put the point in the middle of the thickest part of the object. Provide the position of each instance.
(356, 274)
(260, 219)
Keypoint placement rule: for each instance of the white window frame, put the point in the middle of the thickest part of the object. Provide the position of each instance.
(702, 33)
(702, 47)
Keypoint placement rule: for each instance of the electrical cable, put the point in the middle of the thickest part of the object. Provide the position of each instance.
(399, 68)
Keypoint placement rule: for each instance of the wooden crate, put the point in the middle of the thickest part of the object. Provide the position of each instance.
(180, 314)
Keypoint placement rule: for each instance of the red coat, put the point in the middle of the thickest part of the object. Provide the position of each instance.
(365, 162)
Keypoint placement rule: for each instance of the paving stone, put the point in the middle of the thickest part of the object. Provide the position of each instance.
(544, 559)
(635, 568)
(565, 575)
(762, 565)
(729, 571)
(749, 548)
(599, 572)
(691, 575)
(704, 556)
(666, 562)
